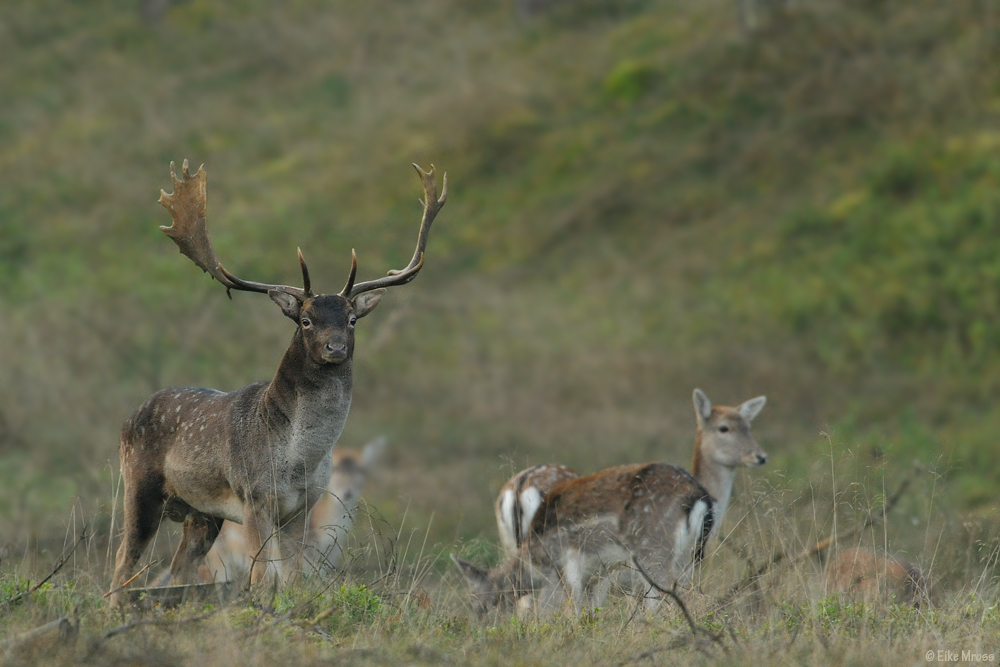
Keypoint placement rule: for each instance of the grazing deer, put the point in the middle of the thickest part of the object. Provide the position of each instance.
(327, 524)
(590, 526)
(653, 515)
(262, 455)
(873, 576)
(521, 497)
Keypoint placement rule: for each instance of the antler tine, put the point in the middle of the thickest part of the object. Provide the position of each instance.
(432, 203)
(264, 288)
(346, 292)
(187, 205)
(306, 285)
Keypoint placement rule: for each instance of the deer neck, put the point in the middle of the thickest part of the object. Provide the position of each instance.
(308, 403)
(513, 577)
(715, 477)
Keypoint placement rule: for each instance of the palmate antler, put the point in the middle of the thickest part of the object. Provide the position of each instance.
(189, 231)
(432, 204)
(187, 207)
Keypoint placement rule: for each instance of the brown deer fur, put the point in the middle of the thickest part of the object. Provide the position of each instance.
(872, 576)
(586, 527)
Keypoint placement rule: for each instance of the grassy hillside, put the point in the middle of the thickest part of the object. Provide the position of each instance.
(645, 198)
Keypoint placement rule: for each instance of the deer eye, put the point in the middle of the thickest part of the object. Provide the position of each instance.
(723, 429)
(306, 323)
(353, 320)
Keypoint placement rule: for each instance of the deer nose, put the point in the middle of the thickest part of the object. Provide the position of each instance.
(761, 459)
(335, 350)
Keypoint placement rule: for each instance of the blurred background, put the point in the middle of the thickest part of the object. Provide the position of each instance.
(791, 198)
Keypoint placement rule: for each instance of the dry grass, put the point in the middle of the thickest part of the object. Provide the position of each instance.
(398, 602)
(620, 172)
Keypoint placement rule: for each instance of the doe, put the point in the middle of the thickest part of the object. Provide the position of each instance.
(655, 517)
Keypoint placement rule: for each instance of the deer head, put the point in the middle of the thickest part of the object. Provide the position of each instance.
(486, 594)
(724, 432)
(325, 321)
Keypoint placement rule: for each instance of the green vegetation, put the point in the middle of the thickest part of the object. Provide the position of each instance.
(644, 199)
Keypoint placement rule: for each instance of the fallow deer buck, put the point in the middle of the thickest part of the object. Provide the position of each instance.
(327, 525)
(655, 517)
(262, 455)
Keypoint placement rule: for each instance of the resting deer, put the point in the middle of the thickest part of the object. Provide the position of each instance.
(262, 455)
(654, 517)
(327, 525)
(874, 576)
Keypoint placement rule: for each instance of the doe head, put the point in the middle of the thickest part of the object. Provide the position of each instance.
(351, 468)
(725, 431)
(484, 593)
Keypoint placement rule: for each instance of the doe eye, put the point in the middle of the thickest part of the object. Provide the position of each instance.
(306, 323)
(723, 429)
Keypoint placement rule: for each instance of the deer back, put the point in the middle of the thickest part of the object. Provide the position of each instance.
(628, 504)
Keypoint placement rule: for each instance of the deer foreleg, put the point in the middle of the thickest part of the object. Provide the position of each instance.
(262, 547)
(294, 543)
(200, 531)
(574, 578)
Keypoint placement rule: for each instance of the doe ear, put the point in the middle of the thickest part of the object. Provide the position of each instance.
(473, 575)
(366, 302)
(289, 305)
(372, 452)
(750, 409)
(702, 406)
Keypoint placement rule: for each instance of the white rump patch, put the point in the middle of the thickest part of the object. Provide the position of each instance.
(507, 520)
(531, 500)
(686, 540)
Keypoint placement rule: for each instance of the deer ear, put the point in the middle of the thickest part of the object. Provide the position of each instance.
(473, 575)
(372, 452)
(750, 409)
(289, 305)
(702, 406)
(365, 303)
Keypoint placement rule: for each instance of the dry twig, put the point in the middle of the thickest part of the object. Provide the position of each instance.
(131, 579)
(68, 626)
(62, 561)
(160, 622)
(673, 596)
(696, 630)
